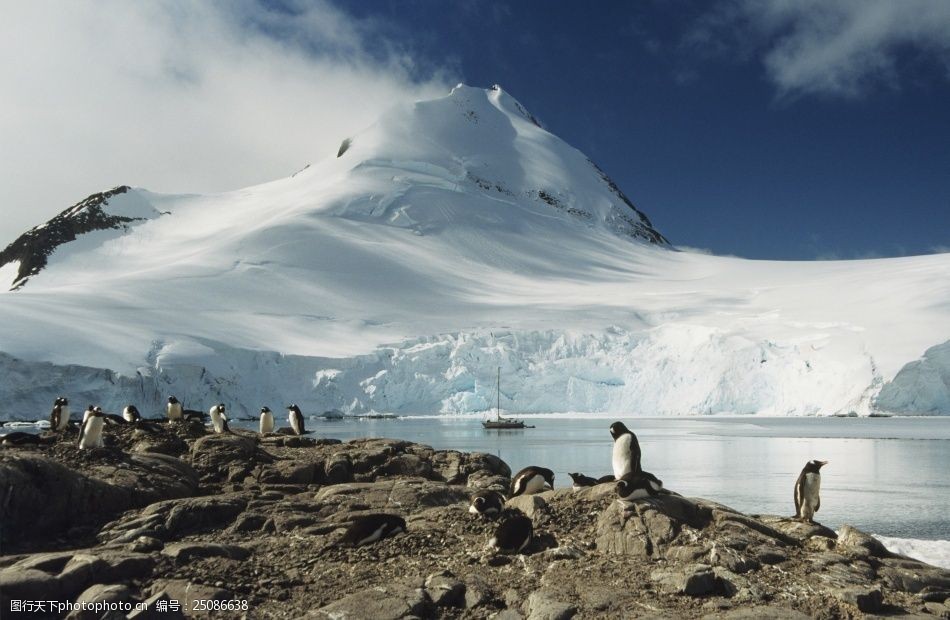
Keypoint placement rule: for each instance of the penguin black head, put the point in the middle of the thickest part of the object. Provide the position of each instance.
(96, 411)
(617, 429)
(221, 407)
(265, 410)
(172, 400)
(814, 466)
(293, 407)
(547, 474)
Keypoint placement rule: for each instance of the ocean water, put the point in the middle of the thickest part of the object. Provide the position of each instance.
(886, 476)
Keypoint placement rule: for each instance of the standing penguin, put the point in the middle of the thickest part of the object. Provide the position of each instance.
(173, 409)
(131, 414)
(218, 418)
(807, 501)
(91, 434)
(296, 419)
(531, 480)
(626, 453)
(86, 414)
(267, 421)
(59, 418)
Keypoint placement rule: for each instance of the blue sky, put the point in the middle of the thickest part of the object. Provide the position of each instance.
(788, 129)
(677, 101)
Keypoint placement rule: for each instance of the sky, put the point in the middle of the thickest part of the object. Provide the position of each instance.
(780, 129)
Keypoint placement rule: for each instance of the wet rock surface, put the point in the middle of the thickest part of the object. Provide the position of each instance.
(249, 526)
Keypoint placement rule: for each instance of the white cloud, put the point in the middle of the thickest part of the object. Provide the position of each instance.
(830, 47)
(181, 96)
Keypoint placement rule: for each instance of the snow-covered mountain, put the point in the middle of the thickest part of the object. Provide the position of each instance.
(453, 236)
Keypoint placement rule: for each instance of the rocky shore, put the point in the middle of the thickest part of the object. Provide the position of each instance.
(178, 514)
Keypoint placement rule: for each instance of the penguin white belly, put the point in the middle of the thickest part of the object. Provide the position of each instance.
(294, 423)
(535, 484)
(217, 420)
(267, 423)
(85, 416)
(810, 495)
(63, 418)
(92, 434)
(174, 412)
(621, 456)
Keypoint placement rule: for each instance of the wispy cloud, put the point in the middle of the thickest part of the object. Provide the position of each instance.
(828, 47)
(183, 96)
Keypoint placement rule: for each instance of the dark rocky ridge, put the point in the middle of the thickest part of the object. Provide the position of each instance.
(34, 247)
(181, 514)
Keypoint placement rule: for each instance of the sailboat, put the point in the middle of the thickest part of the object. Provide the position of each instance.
(500, 422)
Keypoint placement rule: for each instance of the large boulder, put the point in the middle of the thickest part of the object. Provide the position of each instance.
(42, 496)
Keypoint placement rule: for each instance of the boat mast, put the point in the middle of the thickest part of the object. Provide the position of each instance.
(498, 395)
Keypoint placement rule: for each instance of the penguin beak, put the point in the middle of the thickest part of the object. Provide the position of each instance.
(822, 463)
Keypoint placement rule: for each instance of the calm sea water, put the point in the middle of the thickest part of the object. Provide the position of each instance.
(888, 476)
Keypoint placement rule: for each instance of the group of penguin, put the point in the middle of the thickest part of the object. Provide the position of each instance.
(515, 530)
(94, 421)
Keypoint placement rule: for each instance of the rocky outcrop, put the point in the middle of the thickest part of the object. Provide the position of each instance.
(254, 523)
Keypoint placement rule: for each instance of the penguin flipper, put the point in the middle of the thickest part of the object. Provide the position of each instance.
(817, 503)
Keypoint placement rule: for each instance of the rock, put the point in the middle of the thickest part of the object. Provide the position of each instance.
(659, 521)
(799, 530)
(185, 552)
(248, 522)
(194, 514)
(383, 602)
(290, 472)
(542, 607)
(912, 576)
(530, 505)
(770, 555)
(338, 470)
(445, 590)
(145, 544)
(44, 496)
(865, 598)
(477, 592)
(853, 540)
(933, 595)
(694, 580)
(213, 455)
(28, 584)
(758, 612)
(100, 593)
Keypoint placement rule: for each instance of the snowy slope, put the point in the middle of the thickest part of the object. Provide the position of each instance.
(453, 236)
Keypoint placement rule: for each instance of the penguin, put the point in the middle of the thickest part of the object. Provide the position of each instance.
(296, 419)
(513, 534)
(807, 500)
(59, 418)
(632, 487)
(190, 415)
(173, 409)
(531, 480)
(368, 529)
(111, 418)
(487, 503)
(91, 434)
(131, 414)
(219, 419)
(581, 481)
(607, 478)
(267, 421)
(626, 453)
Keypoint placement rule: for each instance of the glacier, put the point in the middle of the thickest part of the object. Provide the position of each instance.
(454, 236)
